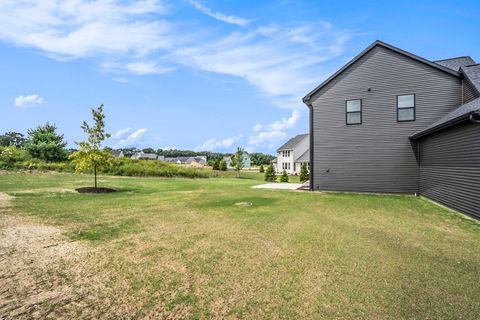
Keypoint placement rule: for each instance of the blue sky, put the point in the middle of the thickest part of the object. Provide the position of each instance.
(200, 74)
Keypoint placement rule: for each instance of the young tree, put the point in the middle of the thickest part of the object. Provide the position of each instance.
(223, 165)
(304, 174)
(46, 144)
(284, 176)
(90, 155)
(262, 169)
(270, 174)
(12, 139)
(238, 160)
(216, 165)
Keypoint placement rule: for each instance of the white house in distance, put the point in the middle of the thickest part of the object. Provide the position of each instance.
(293, 154)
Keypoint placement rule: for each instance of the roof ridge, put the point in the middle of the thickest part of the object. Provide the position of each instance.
(306, 99)
(453, 58)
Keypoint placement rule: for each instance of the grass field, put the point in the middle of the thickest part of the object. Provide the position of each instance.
(182, 248)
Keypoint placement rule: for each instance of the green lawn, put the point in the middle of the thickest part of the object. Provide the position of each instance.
(181, 248)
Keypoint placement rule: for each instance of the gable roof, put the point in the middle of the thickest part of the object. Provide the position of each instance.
(305, 157)
(438, 66)
(456, 63)
(460, 114)
(291, 144)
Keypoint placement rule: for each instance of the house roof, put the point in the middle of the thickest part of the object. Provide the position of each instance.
(305, 157)
(458, 115)
(116, 153)
(148, 156)
(456, 63)
(290, 144)
(438, 66)
(472, 73)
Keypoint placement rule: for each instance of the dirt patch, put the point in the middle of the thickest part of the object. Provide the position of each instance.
(94, 190)
(43, 273)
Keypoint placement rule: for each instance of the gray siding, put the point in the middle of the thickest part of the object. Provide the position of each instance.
(469, 92)
(450, 167)
(376, 156)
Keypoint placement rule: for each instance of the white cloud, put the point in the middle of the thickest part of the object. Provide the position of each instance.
(270, 135)
(214, 144)
(218, 15)
(283, 63)
(121, 133)
(143, 68)
(26, 101)
(66, 29)
(133, 139)
(142, 37)
(168, 148)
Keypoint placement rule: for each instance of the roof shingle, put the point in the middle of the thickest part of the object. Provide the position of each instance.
(290, 144)
(456, 63)
(462, 112)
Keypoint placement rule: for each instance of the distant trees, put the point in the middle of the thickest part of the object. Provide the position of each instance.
(223, 165)
(90, 155)
(304, 174)
(237, 160)
(148, 150)
(261, 158)
(284, 176)
(12, 139)
(45, 143)
(270, 174)
(216, 165)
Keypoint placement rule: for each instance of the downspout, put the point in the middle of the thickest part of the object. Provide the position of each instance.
(310, 109)
(418, 168)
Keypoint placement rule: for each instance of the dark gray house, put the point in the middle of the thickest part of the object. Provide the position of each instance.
(392, 122)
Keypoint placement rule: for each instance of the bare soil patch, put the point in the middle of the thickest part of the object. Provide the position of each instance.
(95, 190)
(43, 273)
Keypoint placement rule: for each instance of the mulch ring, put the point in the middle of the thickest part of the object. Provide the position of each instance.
(94, 190)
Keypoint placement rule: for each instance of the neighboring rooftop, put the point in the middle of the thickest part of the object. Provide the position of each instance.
(456, 63)
(290, 144)
(461, 113)
(305, 157)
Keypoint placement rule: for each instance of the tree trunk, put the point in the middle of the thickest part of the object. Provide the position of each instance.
(95, 174)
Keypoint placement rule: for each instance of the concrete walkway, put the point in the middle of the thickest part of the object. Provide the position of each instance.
(284, 186)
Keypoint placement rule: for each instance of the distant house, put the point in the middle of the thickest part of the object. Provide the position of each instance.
(191, 161)
(117, 153)
(293, 154)
(247, 161)
(145, 156)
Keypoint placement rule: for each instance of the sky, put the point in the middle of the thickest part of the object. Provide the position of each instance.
(200, 74)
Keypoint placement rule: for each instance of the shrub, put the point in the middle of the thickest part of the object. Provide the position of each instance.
(261, 169)
(216, 165)
(9, 156)
(152, 168)
(304, 174)
(284, 176)
(270, 174)
(223, 165)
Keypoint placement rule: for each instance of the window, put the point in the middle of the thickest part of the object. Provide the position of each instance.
(354, 111)
(286, 154)
(406, 108)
